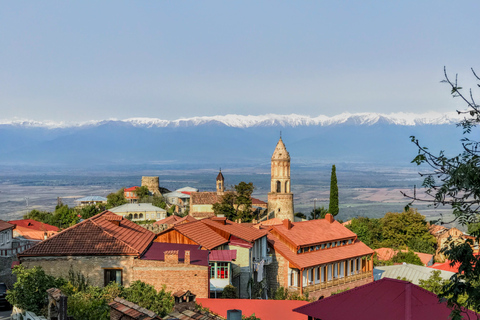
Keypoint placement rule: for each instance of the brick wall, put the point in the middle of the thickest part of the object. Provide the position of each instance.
(175, 276)
(277, 271)
(328, 292)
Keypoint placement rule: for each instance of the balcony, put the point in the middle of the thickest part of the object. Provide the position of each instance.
(333, 283)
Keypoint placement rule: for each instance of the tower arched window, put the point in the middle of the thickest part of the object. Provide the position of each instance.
(279, 186)
(286, 186)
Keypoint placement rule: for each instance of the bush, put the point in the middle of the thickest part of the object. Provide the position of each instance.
(229, 292)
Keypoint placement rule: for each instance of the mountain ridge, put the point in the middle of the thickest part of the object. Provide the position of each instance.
(242, 121)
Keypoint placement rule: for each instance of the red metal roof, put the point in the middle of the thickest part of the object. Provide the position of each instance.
(223, 255)
(383, 299)
(33, 224)
(314, 231)
(131, 188)
(4, 225)
(96, 236)
(446, 266)
(197, 256)
(263, 309)
(315, 258)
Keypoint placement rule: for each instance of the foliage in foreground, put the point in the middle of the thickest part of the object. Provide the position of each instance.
(284, 294)
(85, 302)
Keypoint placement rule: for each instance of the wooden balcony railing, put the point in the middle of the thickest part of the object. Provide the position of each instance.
(333, 283)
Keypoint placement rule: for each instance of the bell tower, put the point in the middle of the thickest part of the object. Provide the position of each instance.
(220, 183)
(280, 197)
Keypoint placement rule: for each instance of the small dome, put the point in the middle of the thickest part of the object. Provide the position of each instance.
(280, 152)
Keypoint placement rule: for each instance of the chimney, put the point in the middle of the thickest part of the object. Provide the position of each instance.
(329, 217)
(287, 224)
(187, 257)
(171, 256)
(234, 314)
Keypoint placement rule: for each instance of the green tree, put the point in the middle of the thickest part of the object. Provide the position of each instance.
(454, 181)
(64, 216)
(236, 203)
(159, 201)
(30, 290)
(434, 283)
(89, 211)
(146, 296)
(402, 229)
(368, 230)
(318, 213)
(333, 205)
(142, 192)
(408, 257)
(116, 199)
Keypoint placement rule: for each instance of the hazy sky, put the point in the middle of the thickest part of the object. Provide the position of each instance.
(92, 60)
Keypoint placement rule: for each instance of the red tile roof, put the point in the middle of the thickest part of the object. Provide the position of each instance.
(200, 233)
(4, 225)
(247, 233)
(202, 215)
(257, 202)
(383, 299)
(205, 197)
(263, 309)
(96, 236)
(318, 257)
(185, 219)
(168, 220)
(223, 255)
(35, 225)
(314, 231)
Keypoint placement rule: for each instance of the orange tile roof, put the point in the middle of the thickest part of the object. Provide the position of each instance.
(32, 234)
(257, 202)
(202, 215)
(314, 231)
(185, 219)
(315, 258)
(96, 236)
(247, 233)
(446, 266)
(263, 309)
(269, 222)
(4, 225)
(168, 220)
(200, 233)
(33, 224)
(385, 254)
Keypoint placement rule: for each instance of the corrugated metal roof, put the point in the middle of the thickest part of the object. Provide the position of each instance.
(187, 189)
(176, 194)
(136, 207)
(223, 255)
(91, 198)
(410, 272)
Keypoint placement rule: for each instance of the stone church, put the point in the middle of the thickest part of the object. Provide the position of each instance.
(280, 197)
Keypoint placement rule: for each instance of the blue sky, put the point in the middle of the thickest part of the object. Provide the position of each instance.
(92, 60)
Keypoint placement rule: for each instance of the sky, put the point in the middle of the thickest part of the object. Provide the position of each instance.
(92, 60)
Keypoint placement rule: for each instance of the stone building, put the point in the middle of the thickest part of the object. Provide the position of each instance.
(153, 185)
(108, 248)
(280, 197)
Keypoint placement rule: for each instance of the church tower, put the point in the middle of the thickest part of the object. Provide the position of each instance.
(220, 183)
(280, 197)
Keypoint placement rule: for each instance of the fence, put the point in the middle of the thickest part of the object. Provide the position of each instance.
(14, 251)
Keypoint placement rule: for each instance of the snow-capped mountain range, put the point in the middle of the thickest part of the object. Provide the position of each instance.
(242, 121)
(230, 139)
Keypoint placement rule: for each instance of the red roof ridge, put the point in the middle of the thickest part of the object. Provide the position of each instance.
(111, 235)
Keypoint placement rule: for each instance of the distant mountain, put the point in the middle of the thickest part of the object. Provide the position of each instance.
(230, 139)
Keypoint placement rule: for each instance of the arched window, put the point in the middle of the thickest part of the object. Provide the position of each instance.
(279, 186)
(140, 216)
(286, 186)
(135, 216)
(129, 217)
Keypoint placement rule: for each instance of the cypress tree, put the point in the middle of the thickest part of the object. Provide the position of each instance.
(333, 205)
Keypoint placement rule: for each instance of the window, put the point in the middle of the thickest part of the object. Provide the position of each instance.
(113, 275)
(311, 248)
(323, 245)
(279, 186)
(222, 270)
(350, 241)
(140, 216)
(317, 247)
(299, 251)
(212, 270)
(333, 244)
(158, 215)
(328, 245)
(338, 244)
